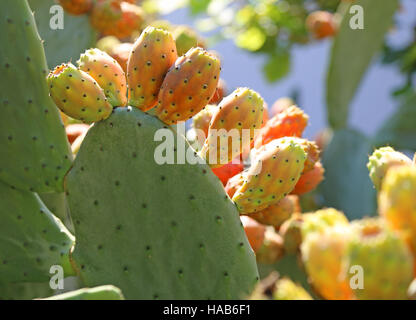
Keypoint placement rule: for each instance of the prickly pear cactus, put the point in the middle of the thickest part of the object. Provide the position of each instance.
(32, 239)
(155, 231)
(34, 152)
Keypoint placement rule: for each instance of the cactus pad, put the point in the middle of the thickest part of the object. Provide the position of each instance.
(155, 231)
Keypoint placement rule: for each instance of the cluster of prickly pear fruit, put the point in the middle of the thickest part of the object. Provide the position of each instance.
(120, 18)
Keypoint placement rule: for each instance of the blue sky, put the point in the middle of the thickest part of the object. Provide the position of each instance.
(373, 103)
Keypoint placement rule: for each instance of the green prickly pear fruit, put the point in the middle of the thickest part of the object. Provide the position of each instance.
(286, 289)
(77, 94)
(235, 120)
(108, 74)
(107, 292)
(272, 176)
(381, 161)
(188, 86)
(153, 53)
(272, 249)
(186, 38)
(386, 261)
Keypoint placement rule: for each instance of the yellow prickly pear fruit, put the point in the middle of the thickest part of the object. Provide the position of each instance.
(233, 126)
(77, 94)
(386, 261)
(273, 174)
(381, 161)
(108, 74)
(153, 53)
(324, 257)
(202, 119)
(188, 86)
(295, 230)
(397, 202)
(286, 289)
(186, 38)
(276, 214)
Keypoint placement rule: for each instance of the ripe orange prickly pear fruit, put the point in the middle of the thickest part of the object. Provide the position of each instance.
(153, 53)
(229, 170)
(220, 92)
(76, 7)
(188, 86)
(386, 261)
(290, 122)
(281, 104)
(73, 131)
(397, 202)
(186, 38)
(116, 18)
(77, 94)
(276, 214)
(254, 232)
(272, 249)
(108, 74)
(324, 257)
(286, 289)
(272, 176)
(202, 119)
(233, 184)
(321, 24)
(234, 122)
(381, 161)
(310, 180)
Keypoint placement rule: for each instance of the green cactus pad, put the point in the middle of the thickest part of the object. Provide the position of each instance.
(62, 45)
(34, 151)
(155, 231)
(98, 293)
(31, 238)
(24, 290)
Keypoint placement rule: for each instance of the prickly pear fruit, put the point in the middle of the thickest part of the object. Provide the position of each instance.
(272, 249)
(311, 149)
(229, 170)
(77, 94)
(291, 233)
(108, 43)
(286, 289)
(397, 202)
(220, 92)
(324, 257)
(152, 55)
(76, 7)
(233, 184)
(381, 161)
(121, 53)
(235, 121)
(272, 176)
(108, 74)
(321, 24)
(281, 104)
(386, 261)
(73, 131)
(107, 292)
(202, 119)
(186, 38)
(411, 292)
(299, 226)
(188, 86)
(310, 180)
(276, 214)
(254, 232)
(116, 18)
(290, 122)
